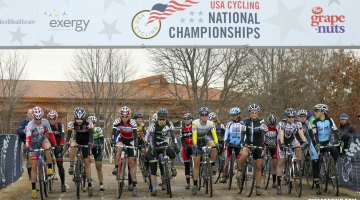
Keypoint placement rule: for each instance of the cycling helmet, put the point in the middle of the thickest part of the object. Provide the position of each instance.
(302, 112)
(138, 115)
(93, 119)
(309, 115)
(204, 110)
(187, 116)
(37, 112)
(125, 111)
(254, 107)
(154, 117)
(98, 130)
(212, 116)
(290, 112)
(272, 119)
(79, 113)
(53, 114)
(358, 115)
(321, 107)
(235, 111)
(162, 113)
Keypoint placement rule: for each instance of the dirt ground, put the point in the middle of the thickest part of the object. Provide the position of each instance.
(22, 190)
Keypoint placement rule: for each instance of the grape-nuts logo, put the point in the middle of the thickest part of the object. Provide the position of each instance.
(326, 23)
(141, 26)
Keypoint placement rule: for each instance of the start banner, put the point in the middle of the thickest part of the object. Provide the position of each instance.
(179, 23)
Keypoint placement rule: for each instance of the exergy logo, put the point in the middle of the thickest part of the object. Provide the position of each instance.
(327, 23)
(62, 21)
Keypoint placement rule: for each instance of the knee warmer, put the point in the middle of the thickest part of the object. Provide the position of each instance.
(153, 168)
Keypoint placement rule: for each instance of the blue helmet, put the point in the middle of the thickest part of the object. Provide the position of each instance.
(235, 111)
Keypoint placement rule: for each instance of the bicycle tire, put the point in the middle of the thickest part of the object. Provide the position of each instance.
(288, 175)
(297, 179)
(307, 171)
(40, 175)
(121, 178)
(334, 178)
(241, 182)
(324, 174)
(167, 178)
(231, 171)
(77, 178)
(250, 183)
(200, 184)
(209, 174)
(45, 185)
(266, 171)
(220, 169)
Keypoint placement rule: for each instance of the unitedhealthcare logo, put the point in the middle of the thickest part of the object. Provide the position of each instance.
(62, 21)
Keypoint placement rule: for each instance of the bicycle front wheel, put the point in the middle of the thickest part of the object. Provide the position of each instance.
(209, 176)
(297, 178)
(307, 171)
(167, 178)
(231, 171)
(77, 178)
(333, 175)
(249, 181)
(266, 171)
(121, 178)
(41, 179)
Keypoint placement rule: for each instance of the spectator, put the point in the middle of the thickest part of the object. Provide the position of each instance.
(346, 129)
(22, 136)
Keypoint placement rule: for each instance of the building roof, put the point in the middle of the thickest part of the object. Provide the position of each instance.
(153, 87)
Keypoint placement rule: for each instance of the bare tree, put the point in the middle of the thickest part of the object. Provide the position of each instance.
(100, 78)
(12, 69)
(191, 71)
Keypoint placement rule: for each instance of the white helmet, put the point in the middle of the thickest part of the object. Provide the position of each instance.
(93, 119)
(37, 112)
(125, 111)
(322, 107)
(53, 114)
(254, 107)
(212, 116)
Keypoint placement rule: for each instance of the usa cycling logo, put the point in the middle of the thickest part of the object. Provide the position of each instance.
(324, 23)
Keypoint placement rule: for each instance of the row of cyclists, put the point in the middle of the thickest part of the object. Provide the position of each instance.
(195, 134)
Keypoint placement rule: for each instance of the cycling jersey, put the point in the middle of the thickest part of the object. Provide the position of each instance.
(160, 135)
(200, 130)
(255, 131)
(233, 132)
(125, 132)
(322, 129)
(290, 129)
(35, 134)
(186, 141)
(58, 130)
(186, 135)
(271, 136)
(98, 136)
(83, 132)
(220, 131)
(140, 130)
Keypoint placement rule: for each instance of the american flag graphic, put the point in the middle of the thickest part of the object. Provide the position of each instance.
(162, 11)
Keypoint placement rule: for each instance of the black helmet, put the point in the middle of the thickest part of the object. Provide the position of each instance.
(79, 113)
(204, 110)
(138, 115)
(162, 113)
(290, 112)
(272, 119)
